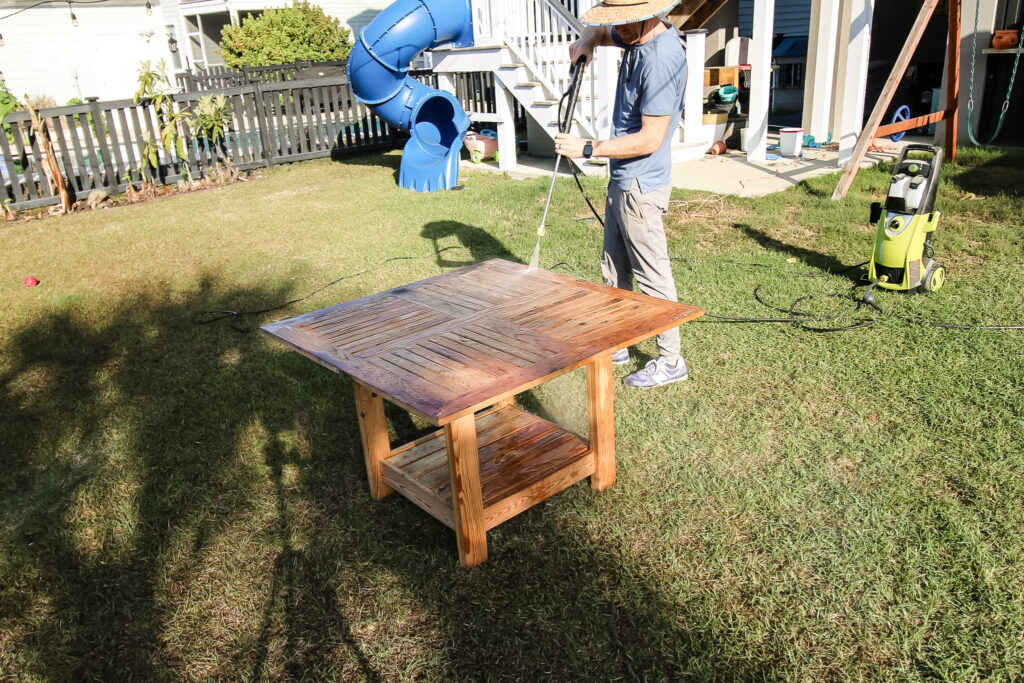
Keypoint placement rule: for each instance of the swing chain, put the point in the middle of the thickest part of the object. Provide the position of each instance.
(970, 95)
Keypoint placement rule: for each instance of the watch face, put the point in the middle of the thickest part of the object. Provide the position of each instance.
(588, 149)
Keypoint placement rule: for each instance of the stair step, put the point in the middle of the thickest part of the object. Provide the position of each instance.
(596, 162)
(544, 103)
(514, 65)
(528, 84)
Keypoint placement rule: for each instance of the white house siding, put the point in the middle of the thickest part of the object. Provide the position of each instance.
(792, 17)
(43, 54)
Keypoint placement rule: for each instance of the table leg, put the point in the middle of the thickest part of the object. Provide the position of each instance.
(373, 427)
(467, 497)
(601, 406)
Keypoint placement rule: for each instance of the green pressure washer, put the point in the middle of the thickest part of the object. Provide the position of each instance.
(903, 256)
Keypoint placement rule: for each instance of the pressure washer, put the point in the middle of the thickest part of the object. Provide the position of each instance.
(903, 257)
(564, 123)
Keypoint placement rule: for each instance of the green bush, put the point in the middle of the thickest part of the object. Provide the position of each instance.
(210, 118)
(279, 36)
(8, 102)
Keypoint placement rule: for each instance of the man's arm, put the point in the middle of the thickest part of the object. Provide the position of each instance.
(592, 37)
(645, 141)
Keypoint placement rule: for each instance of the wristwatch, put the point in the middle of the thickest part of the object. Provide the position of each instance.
(588, 148)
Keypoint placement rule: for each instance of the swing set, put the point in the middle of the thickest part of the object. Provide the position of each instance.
(873, 128)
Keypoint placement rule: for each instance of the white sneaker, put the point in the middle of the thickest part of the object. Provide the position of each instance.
(657, 373)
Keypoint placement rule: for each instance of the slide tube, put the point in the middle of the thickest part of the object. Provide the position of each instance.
(378, 75)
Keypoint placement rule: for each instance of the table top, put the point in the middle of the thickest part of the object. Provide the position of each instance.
(452, 344)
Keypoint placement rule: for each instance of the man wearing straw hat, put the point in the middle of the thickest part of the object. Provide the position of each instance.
(648, 106)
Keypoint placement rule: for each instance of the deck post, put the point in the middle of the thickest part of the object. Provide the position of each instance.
(854, 47)
(760, 79)
(821, 63)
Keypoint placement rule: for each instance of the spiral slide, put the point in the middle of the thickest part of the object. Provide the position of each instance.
(377, 73)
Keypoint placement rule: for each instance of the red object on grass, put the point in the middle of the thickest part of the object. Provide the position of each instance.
(31, 281)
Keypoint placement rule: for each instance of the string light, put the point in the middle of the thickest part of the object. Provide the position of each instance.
(1, 40)
(149, 8)
(74, 19)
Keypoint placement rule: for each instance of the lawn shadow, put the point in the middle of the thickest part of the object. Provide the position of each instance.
(997, 176)
(382, 156)
(135, 448)
(481, 244)
(815, 259)
(184, 501)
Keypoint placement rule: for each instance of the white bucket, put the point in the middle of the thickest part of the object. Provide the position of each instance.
(791, 141)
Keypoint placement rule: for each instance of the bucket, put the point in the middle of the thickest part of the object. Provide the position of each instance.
(791, 140)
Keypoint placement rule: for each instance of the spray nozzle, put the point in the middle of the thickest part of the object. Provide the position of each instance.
(540, 231)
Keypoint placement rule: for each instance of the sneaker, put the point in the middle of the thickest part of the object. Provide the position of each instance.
(620, 357)
(656, 373)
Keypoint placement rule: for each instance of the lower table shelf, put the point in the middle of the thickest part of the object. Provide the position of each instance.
(524, 459)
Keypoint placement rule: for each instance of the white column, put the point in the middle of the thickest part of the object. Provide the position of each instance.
(606, 70)
(760, 79)
(445, 81)
(821, 62)
(693, 99)
(505, 107)
(851, 74)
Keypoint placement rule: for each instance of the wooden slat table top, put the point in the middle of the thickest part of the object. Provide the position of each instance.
(457, 342)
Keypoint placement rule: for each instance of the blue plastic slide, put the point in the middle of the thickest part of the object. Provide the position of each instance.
(377, 73)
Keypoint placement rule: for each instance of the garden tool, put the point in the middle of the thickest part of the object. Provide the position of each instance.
(564, 123)
(903, 256)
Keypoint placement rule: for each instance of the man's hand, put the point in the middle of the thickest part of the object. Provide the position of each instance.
(592, 36)
(569, 146)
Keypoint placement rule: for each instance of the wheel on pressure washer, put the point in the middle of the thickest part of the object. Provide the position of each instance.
(477, 156)
(934, 277)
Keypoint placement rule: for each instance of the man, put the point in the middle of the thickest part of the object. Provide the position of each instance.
(648, 106)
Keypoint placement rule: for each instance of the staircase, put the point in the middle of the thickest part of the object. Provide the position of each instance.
(525, 43)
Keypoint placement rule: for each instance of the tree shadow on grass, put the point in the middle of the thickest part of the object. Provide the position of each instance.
(1000, 175)
(185, 501)
(481, 244)
(824, 262)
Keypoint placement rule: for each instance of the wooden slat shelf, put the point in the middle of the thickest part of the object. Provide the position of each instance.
(524, 459)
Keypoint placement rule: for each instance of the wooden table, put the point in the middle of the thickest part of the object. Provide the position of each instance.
(455, 349)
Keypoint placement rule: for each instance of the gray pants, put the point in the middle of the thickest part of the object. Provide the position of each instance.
(635, 246)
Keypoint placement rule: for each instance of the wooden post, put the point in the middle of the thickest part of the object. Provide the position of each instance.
(867, 135)
(373, 427)
(821, 63)
(109, 172)
(601, 407)
(467, 496)
(263, 122)
(505, 103)
(693, 97)
(952, 79)
(760, 79)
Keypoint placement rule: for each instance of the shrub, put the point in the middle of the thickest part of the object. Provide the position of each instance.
(279, 36)
(210, 117)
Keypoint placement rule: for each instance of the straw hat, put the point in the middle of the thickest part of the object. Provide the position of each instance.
(610, 12)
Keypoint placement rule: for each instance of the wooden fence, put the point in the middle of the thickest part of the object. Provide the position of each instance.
(100, 145)
(220, 77)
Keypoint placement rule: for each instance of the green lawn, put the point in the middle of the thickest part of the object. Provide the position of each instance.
(187, 501)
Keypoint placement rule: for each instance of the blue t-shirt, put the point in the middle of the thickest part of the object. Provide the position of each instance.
(652, 81)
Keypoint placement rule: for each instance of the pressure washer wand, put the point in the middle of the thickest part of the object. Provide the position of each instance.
(571, 95)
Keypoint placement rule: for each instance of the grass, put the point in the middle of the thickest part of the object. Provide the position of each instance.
(187, 501)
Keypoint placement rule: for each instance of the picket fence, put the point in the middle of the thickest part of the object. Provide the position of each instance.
(99, 145)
